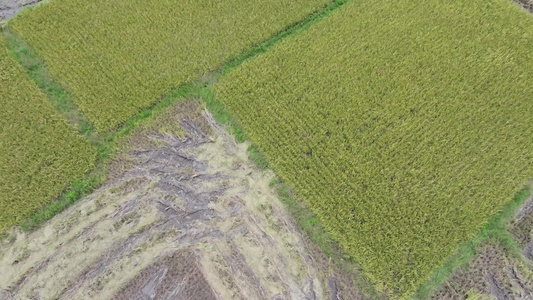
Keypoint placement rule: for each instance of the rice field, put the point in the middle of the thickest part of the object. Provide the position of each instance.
(40, 154)
(403, 126)
(117, 57)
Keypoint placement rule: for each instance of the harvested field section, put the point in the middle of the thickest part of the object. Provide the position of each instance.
(497, 272)
(404, 126)
(491, 275)
(521, 228)
(40, 154)
(116, 57)
(189, 200)
(178, 276)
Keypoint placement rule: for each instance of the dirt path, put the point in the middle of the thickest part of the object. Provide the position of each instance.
(9, 8)
(193, 219)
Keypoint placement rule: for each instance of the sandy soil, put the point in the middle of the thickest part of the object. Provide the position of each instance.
(9, 8)
(191, 216)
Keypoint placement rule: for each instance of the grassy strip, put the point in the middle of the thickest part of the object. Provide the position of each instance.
(293, 30)
(220, 113)
(62, 102)
(79, 189)
(495, 230)
(37, 71)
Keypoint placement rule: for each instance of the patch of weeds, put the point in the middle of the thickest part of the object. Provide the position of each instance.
(257, 158)
(57, 95)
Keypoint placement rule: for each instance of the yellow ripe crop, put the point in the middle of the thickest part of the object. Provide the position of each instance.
(40, 154)
(404, 125)
(117, 57)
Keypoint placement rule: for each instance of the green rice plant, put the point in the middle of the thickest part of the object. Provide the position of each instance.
(404, 125)
(40, 154)
(118, 57)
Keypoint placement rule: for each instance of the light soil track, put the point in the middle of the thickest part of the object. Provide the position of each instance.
(9, 8)
(192, 216)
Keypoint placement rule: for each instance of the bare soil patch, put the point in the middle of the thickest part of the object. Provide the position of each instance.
(526, 4)
(9, 8)
(186, 213)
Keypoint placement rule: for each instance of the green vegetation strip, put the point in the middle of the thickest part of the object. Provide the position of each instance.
(37, 71)
(404, 126)
(40, 154)
(118, 57)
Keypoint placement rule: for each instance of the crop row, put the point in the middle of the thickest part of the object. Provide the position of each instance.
(40, 154)
(405, 126)
(117, 57)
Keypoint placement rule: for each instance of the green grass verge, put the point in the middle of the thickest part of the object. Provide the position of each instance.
(36, 69)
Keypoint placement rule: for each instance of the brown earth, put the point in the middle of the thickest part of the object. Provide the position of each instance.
(178, 276)
(186, 213)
